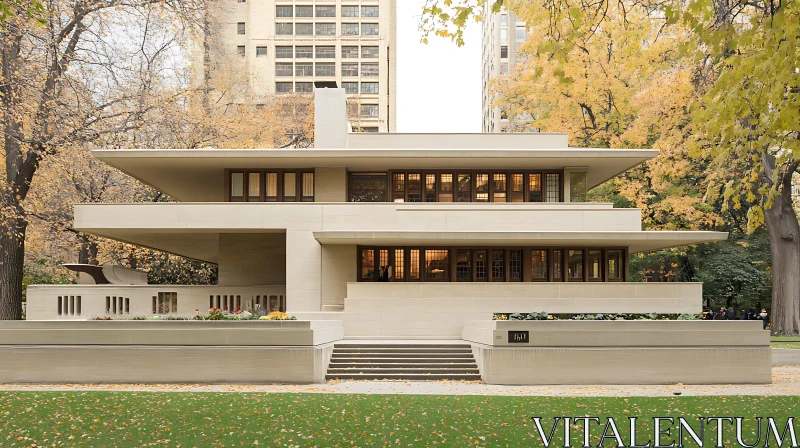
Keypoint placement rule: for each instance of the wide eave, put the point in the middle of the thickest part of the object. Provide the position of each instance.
(187, 174)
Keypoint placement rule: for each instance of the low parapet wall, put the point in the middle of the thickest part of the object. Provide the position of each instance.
(167, 351)
(620, 352)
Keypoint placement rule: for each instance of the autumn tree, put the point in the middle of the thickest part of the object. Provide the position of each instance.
(743, 122)
(94, 70)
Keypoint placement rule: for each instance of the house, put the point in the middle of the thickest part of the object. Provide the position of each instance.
(395, 235)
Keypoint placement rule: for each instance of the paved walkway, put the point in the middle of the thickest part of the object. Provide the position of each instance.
(785, 381)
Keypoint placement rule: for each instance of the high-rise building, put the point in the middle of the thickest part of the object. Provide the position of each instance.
(501, 37)
(287, 46)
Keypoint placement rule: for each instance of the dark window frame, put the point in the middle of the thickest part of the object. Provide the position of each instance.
(298, 197)
(474, 251)
(473, 192)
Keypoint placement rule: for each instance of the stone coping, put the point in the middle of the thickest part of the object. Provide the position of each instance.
(170, 333)
(168, 324)
(612, 334)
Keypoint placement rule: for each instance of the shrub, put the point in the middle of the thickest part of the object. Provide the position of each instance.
(277, 315)
(599, 316)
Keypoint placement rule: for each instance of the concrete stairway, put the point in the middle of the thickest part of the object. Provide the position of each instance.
(416, 362)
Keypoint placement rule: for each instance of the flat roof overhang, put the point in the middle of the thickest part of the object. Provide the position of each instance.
(195, 175)
(196, 244)
(639, 241)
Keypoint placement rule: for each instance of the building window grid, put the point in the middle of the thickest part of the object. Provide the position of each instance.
(284, 69)
(325, 29)
(369, 69)
(350, 52)
(283, 11)
(369, 29)
(304, 11)
(290, 185)
(370, 11)
(304, 29)
(284, 52)
(325, 11)
(370, 52)
(304, 69)
(350, 29)
(304, 52)
(370, 87)
(325, 52)
(284, 29)
(349, 11)
(325, 69)
(349, 69)
(304, 87)
(493, 264)
(498, 265)
(491, 186)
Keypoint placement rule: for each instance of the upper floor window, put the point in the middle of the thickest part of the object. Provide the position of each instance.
(349, 69)
(369, 87)
(369, 52)
(304, 11)
(349, 29)
(350, 87)
(349, 11)
(326, 29)
(283, 87)
(367, 187)
(504, 51)
(284, 29)
(284, 69)
(284, 52)
(522, 33)
(240, 28)
(304, 87)
(369, 11)
(304, 52)
(472, 186)
(304, 29)
(326, 52)
(369, 69)
(326, 11)
(240, 50)
(304, 69)
(369, 110)
(369, 29)
(325, 69)
(349, 52)
(283, 11)
(261, 51)
(271, 185)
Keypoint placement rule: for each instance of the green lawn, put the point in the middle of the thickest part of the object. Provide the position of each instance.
(127, 419)
(785, 342)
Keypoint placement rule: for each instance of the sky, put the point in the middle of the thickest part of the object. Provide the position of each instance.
(438, 84)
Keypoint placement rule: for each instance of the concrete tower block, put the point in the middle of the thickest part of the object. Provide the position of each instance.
(330, 118)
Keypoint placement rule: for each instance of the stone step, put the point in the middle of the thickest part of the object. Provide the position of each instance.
(405, 345)
(399, 350)
(401, 355)
(371, 364)
(394, 360)
(406, 376)
(418, 370)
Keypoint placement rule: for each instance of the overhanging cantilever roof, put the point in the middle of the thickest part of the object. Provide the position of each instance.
(635, 241)
(197, 174)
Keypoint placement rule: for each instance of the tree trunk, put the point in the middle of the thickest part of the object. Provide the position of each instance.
(784, 244)
(87, 252)
(12, 260)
